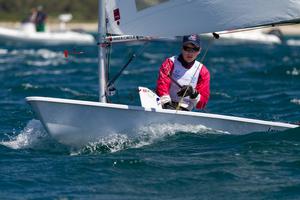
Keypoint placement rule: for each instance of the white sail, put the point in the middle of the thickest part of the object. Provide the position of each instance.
(180, 17)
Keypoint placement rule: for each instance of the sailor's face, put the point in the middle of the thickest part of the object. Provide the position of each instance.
(190, 52)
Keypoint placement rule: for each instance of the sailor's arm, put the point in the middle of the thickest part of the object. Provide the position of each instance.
(164, 81)
(203, 88)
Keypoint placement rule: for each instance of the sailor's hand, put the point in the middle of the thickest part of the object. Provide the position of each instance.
(188, 90)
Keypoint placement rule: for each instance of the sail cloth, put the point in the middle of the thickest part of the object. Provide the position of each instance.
(164, 18)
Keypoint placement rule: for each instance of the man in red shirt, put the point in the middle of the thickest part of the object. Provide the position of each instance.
(183, 81)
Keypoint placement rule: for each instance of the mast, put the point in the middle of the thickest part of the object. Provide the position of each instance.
(102, 50)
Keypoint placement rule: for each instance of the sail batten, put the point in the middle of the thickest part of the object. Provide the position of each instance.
(166, 18)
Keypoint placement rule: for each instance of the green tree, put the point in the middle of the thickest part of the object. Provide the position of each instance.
(82, 10)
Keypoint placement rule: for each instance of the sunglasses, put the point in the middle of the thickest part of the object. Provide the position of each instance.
(190, 49)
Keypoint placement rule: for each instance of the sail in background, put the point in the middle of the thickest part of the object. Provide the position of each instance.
(180, 17)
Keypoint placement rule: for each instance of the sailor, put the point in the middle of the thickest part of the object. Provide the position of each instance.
(40, 19)
(183, 82)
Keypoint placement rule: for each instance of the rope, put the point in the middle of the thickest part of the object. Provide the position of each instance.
(111, 82)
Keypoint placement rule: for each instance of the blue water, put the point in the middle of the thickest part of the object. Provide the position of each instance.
(166, 162)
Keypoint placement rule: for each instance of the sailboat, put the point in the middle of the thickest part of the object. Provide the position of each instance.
(76, 123)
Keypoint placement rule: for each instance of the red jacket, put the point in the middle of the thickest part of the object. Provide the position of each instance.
(164, 82)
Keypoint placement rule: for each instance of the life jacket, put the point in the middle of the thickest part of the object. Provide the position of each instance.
(184, 76)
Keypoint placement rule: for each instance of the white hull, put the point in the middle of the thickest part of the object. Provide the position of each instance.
(76, 123)
(27, 34)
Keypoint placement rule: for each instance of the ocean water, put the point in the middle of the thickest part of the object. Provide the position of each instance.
(166, 162)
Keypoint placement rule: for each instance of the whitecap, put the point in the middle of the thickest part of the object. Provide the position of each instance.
(294, 72)
(139, 71)
(79, 60)
(3, 51)
(295, 101)
(74, 92)
(145, 136)
(31, 135)
(27, 86)
(222, 94)
(45, 63)
(44, 53)
(293, 42)
(111, 143)
(47, 54)
(39, 72)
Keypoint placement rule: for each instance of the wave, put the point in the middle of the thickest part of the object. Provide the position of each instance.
(35, 137)
(32, 57)
(31, 135)
(41, 57)
(43, 53)
(295, 101)
(294, 72)
(146, 136)
(293, 42)
(3, 51)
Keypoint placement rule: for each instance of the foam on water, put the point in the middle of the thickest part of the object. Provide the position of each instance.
(34, 57)
(295, 101)
(27, 86)
(38, 72)
(3, 51)
(294, 72)
(45, 63)
(29, 137)
(145, 136)
(139, 71)
(293, 42)
(43, 53)
(112, 143)
(34, 136)
(84, 60)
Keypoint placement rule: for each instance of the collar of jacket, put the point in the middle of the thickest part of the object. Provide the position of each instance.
(184, 63)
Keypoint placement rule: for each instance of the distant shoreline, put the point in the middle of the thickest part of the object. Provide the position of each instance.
(89, 26)
(93, 27)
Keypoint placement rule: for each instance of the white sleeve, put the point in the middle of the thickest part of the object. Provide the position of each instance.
(165, 99)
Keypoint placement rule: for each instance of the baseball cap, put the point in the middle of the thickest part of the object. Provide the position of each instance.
(194, 39)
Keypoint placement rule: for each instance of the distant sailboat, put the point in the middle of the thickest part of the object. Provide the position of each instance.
(76, 123)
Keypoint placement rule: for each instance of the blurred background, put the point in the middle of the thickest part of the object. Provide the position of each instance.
(85, 15)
